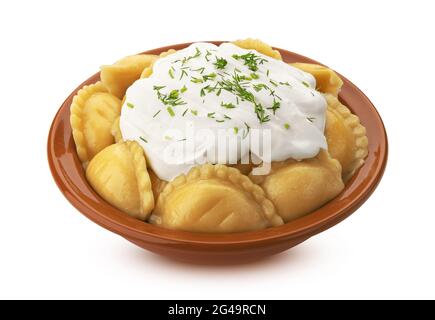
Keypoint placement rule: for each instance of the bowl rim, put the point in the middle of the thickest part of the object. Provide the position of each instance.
(306, 226)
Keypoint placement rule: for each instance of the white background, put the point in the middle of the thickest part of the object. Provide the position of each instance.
(384, 250)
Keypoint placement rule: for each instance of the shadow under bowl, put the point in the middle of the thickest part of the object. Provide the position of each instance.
(219, 248)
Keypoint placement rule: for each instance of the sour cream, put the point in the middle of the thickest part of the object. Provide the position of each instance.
(205, 94)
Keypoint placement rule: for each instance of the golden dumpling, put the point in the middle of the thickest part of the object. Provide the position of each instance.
(121, 75)
(214, 198)
(93, 112)
(346, 137)
(299, 187)
(119, 175)
(327, 81)
(259, 46)
(149, 69)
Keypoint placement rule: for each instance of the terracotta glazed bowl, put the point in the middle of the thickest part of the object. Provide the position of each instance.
(69, 176)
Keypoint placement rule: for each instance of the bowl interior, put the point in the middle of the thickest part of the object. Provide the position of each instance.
(69, 176)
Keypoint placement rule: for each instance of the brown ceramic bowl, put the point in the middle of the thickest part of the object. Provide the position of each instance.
(196, 247)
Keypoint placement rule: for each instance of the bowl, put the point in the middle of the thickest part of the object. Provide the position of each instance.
(216, 248)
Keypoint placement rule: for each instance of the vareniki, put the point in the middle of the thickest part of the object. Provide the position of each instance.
(216, 139)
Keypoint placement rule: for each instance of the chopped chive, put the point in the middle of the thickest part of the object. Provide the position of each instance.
(267, 72)
(130, 105)
(171, 74)
(155, 114)
(183, 73)
(182, 140)
(311, 119)
(196, 80)
(286, 125)
(306, 84)
(168, 138)
(200, 70)
(209, 76)
(202, 92)
(254, 76)
(194, 112)
(143, 139)
(220, 120)
(157, 88)
(211, 114)
(227, 117)
(273, 82)
(170, 111)
(236, 130)
(196, 55)
(208, 53)
(228, 105)
(184, 113)
(184, 89)
(246, 131)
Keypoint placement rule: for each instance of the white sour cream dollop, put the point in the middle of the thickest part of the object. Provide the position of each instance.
(203, 94)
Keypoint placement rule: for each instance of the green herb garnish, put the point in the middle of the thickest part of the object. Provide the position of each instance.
(227, 105)
(311, 119)
(183, 73)
(275, 106)
(200, 70)
(143, 139)
(170, 111)
(194, 112)
(187, 59)
(130, 105)
(246, 131)
(306, 84)
(251, 60)
(171, 99)
(184, 113)
(209, 76)
(220, 63)
(287, 126)
(171, 74)
(211, 115)
(155, 114)
(196, 80)
(184, 89)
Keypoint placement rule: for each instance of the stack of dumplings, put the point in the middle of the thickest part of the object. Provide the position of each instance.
(210, 198)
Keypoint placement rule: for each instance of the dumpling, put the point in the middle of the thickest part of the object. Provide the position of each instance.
(214, 198)
(93, 112)
(121, 75)
(119, 175)
(299, 187)
(346, 137)
(259, 46)
(149, 69)
(327, 81)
